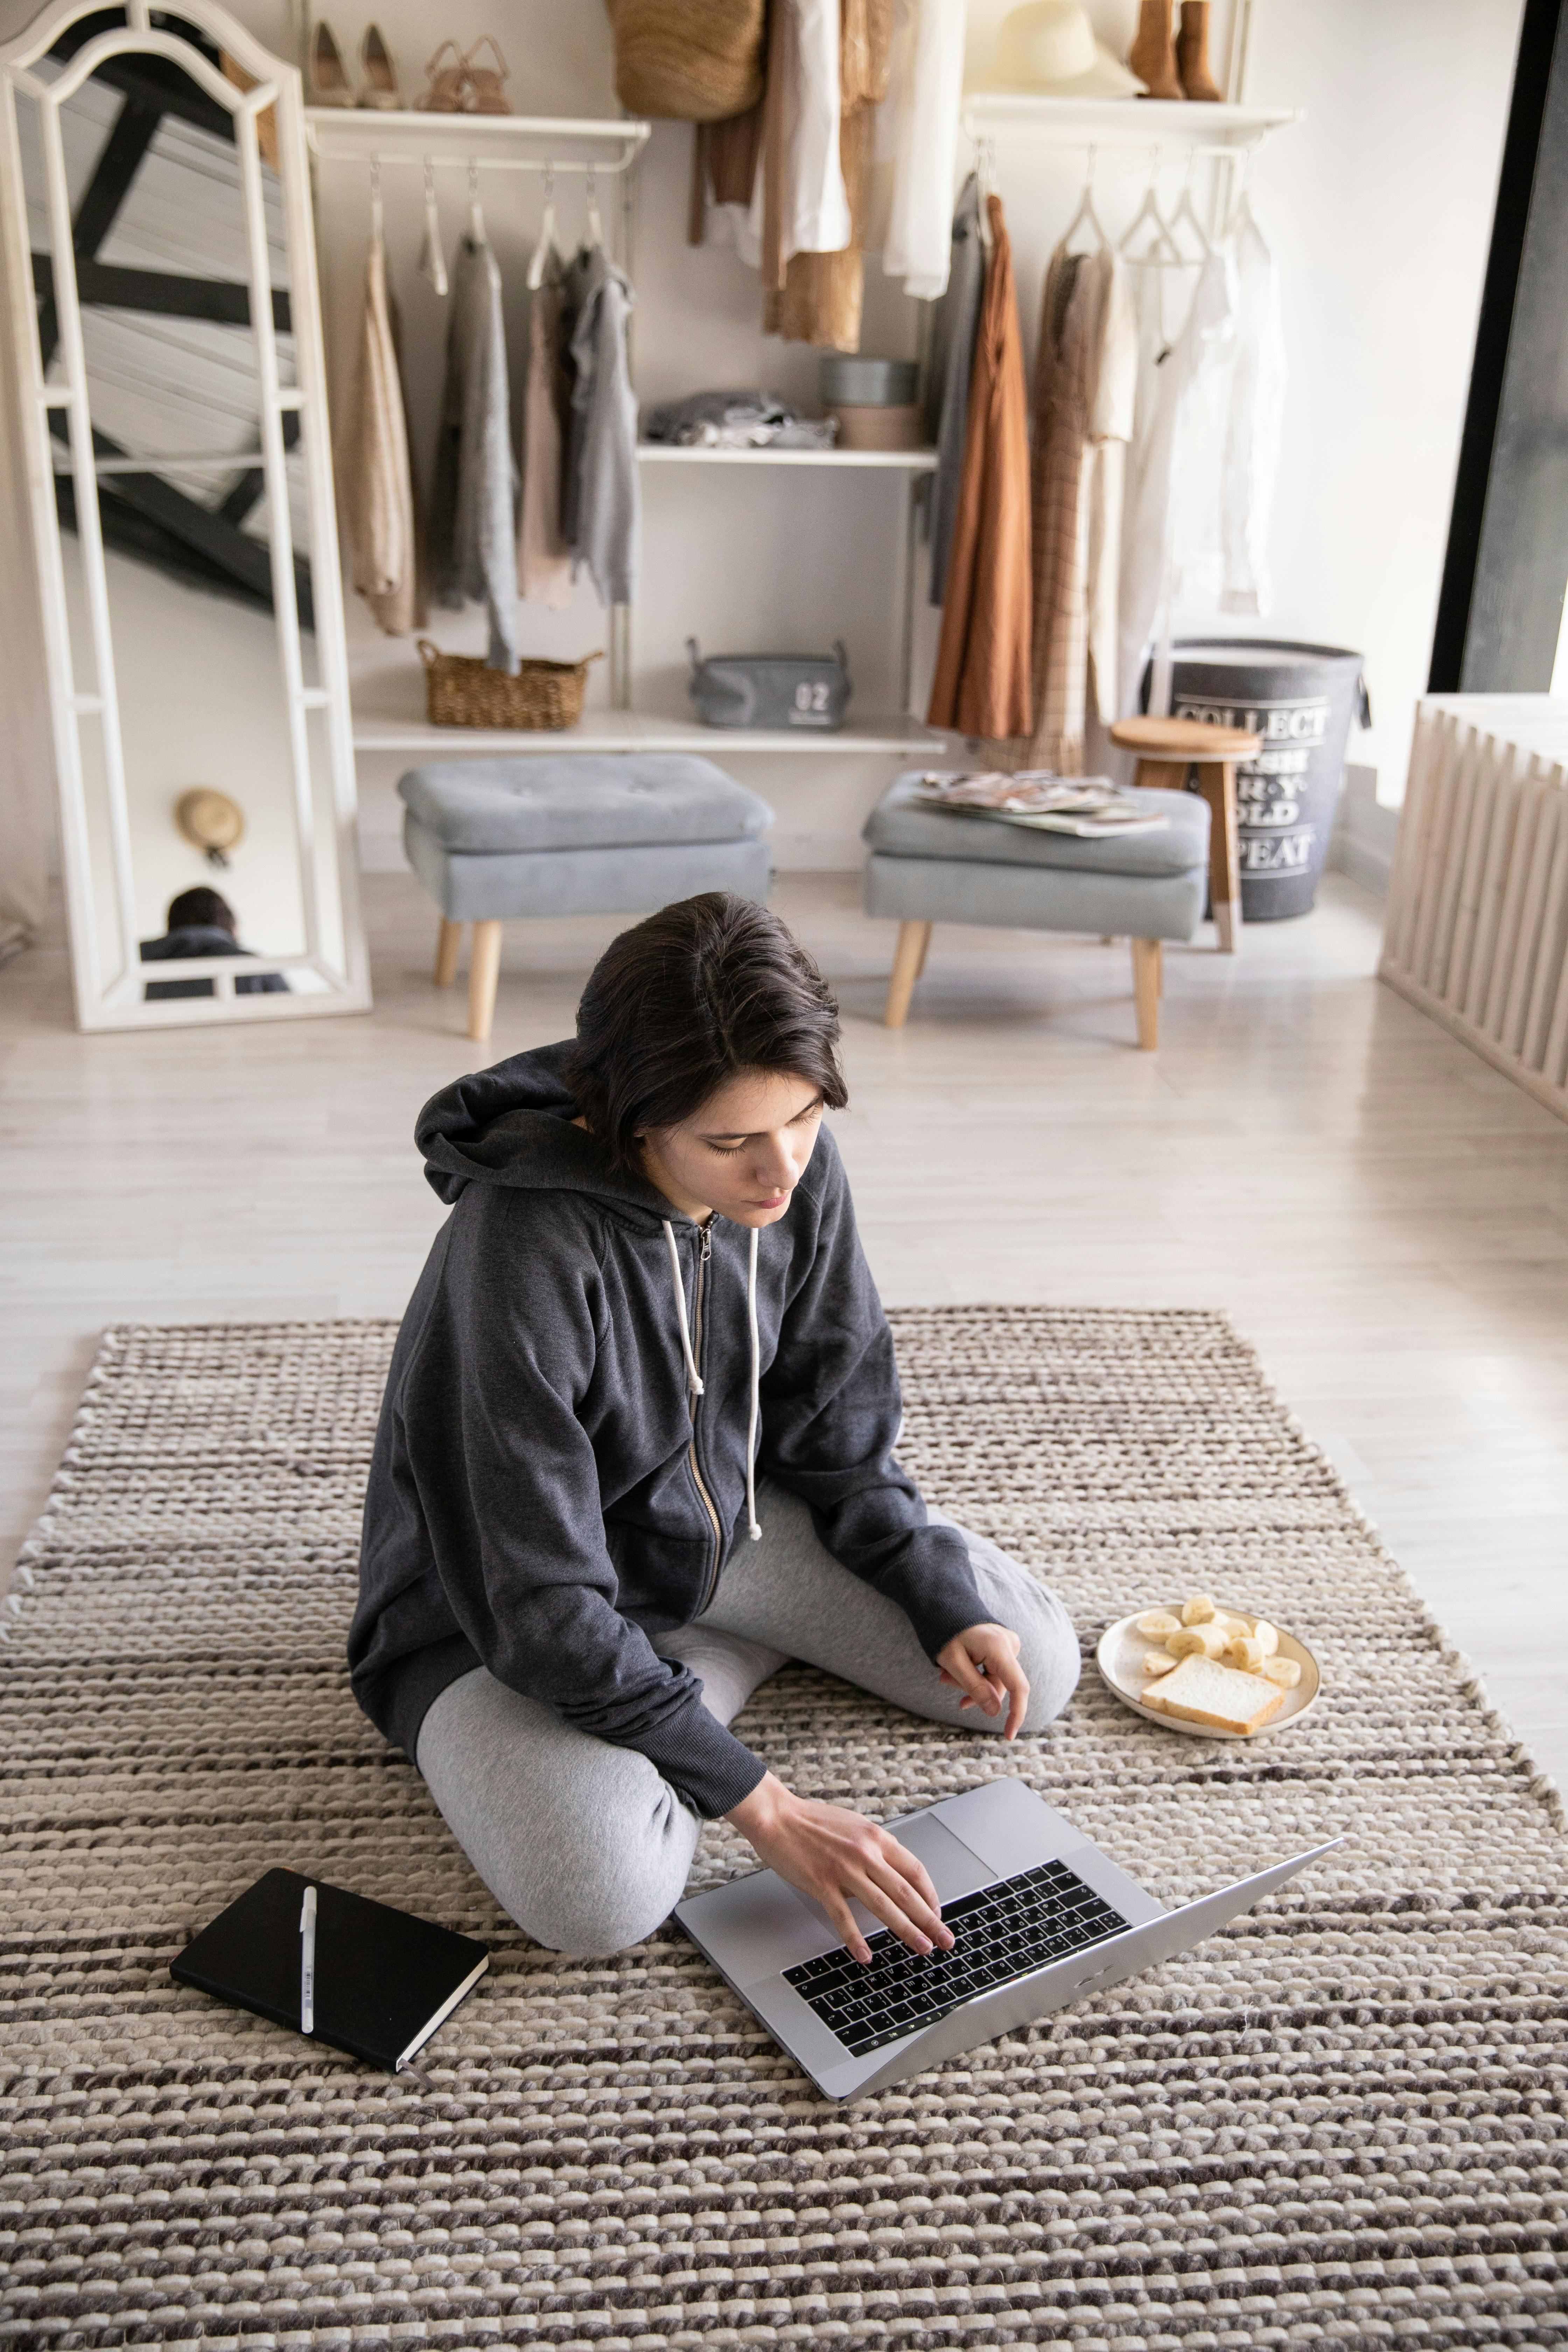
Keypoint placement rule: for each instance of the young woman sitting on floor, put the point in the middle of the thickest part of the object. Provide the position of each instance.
(636, 1452)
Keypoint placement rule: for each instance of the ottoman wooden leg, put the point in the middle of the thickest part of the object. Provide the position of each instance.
(484, 970)
(1217, 778)
(1148, 959)
(908, 959)
(448, 941)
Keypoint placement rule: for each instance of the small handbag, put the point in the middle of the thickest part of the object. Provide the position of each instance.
(772, 690)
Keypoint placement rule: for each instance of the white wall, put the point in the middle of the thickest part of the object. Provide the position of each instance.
(1379, 205)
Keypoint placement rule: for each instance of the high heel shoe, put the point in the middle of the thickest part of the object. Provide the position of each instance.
(380, 74)
(444, 83)
(484, 94)
(328, 82)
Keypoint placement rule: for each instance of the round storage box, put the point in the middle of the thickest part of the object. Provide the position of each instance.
(850, 380)
(1300, 699)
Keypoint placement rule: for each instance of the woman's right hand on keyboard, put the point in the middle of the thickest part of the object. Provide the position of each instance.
(836, 1856)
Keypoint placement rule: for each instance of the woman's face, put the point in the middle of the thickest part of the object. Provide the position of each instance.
(743, 1152)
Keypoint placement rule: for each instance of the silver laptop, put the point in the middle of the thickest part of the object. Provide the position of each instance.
(1038, 1917)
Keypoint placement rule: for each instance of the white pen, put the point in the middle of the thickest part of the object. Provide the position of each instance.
(308, 1963)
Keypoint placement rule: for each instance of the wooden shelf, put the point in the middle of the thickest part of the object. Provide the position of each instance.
(1142, 122)
(905, 461)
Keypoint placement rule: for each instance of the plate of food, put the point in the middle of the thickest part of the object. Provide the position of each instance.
(1209, 1670)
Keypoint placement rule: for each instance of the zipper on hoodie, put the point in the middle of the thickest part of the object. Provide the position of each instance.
(695, 1404)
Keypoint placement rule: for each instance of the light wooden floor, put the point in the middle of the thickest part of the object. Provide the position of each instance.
(1383, 1215)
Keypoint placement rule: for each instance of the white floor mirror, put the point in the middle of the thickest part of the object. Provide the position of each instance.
(164, 350)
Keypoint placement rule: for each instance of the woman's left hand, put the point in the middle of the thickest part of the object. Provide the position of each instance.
(982, 1663)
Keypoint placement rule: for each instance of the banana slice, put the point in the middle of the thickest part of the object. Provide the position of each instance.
(1286, 1671)
(1158, 1662)
(1195, 1641)
(1157, 1623)
(1198, 1610)
(1245, 1651)
(1234, 1626)
(1268, 1635)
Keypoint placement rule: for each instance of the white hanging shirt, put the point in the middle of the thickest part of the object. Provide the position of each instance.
(919, 121)
(1171, 527)
(1253, 425)
(814, 209)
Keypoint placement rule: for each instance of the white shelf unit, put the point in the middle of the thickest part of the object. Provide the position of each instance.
(503, 143)
(1147, 123)
(902, 461)
(640, 730)
(1228, 135)
(383, 715)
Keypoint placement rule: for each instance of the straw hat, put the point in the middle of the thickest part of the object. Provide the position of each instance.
(210, 822)
(1049, 47)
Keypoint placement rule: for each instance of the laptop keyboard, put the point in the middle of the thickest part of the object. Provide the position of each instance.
(999, 1934)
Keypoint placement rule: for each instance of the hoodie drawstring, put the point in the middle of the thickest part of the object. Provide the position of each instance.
(756, 1392)
(694, 1377)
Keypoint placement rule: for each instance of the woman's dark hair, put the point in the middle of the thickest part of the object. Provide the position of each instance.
(686, 1001)
(201, 910)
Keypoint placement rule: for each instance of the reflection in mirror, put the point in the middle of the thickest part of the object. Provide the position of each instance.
(197, 635)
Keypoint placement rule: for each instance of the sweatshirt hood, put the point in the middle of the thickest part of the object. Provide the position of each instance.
(512, 1125)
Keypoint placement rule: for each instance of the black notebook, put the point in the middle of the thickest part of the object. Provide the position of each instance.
(383, 1980)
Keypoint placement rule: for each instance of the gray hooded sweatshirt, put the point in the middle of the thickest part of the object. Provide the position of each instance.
(565, 1460)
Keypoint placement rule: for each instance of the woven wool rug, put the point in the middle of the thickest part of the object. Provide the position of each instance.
(1341, 2121)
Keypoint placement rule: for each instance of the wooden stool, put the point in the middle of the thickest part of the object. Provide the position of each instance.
(1166, 749)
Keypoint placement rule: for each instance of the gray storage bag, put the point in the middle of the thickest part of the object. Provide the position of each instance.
(769, 689)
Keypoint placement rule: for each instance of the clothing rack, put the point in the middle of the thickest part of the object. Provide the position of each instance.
(409, 139)
(551, 166)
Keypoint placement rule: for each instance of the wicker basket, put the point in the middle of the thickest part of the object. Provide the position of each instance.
(461, 691)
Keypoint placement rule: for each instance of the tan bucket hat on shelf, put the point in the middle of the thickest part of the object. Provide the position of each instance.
(1048, 47)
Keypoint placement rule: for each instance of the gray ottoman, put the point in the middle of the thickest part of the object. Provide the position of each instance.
(580, 833)
(928, 866)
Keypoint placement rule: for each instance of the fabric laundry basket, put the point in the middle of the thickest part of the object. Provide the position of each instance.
(1301, 700)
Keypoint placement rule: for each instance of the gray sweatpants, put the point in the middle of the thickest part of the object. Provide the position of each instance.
(587, 1845)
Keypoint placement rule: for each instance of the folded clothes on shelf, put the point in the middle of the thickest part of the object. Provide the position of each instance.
(738, 420)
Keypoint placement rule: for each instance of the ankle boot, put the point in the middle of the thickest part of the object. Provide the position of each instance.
(1193, 52)
(1152, 56)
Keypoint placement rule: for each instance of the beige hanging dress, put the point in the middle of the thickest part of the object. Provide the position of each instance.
(372, 465)
(1084, 378)
(543, 558)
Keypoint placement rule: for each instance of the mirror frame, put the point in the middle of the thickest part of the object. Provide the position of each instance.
(114, 998)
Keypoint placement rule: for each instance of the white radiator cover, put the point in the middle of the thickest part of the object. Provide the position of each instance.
(1477, 924)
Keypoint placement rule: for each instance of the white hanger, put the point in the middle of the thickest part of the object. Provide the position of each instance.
(476, 213)
(595, 226)
(1165, 253)
(986, 174)
(543, 250)
(1085, 216)
(431, 259)
(1186, 214)
(1241, 212)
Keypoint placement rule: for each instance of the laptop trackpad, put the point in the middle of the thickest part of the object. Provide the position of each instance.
(955, 1870)
(761, 1925)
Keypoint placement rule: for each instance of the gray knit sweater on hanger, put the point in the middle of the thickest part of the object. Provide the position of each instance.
(601, 506)
(473, 507)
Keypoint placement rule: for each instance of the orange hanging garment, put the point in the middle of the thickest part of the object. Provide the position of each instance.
(982, 681)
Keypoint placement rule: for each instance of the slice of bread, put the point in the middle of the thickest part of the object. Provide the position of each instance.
(1200, 1690)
